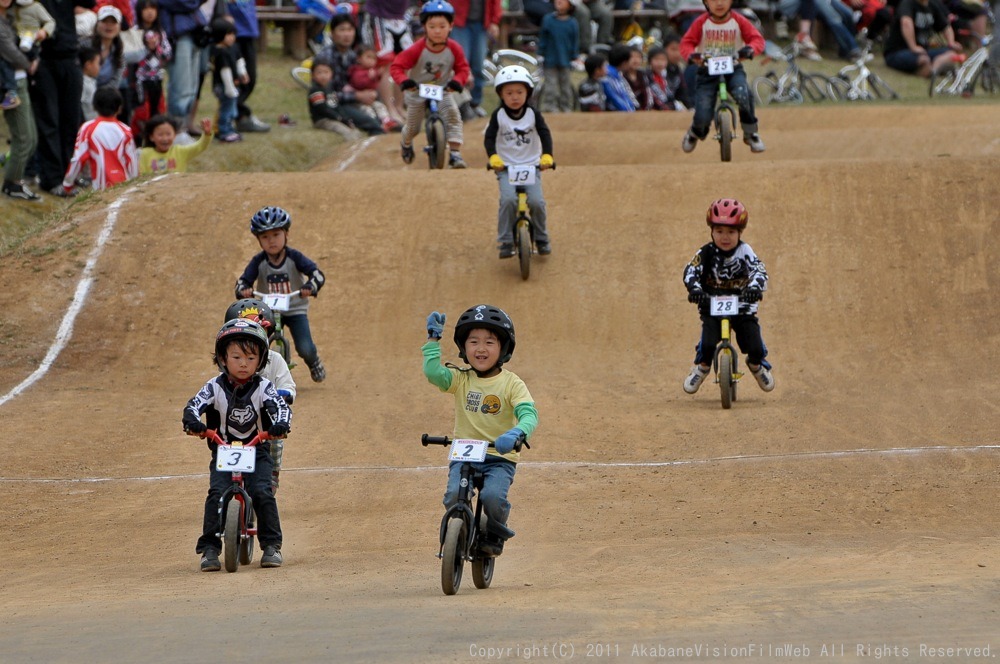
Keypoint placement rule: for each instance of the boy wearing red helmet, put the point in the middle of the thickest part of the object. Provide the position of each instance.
(728, 266)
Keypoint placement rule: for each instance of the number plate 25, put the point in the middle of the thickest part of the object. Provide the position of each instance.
(720, 65)
(463, 449)
(235, 459)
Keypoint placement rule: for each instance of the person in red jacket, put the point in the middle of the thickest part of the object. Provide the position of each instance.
(104, 143)
(477, 22)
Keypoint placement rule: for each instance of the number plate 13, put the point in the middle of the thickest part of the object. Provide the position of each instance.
(463, 449)
(521, 174)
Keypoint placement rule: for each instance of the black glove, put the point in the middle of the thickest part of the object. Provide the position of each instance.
(746, 53)
(195, 428)
(408, 84)
(751, 295)
(278, 430)
(697, 296)
(455, 86)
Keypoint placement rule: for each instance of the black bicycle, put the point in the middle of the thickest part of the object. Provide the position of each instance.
(465, 529)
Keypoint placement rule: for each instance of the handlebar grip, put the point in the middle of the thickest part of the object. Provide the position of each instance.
(426, 440)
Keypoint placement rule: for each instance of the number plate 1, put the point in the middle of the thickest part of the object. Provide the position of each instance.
(521, 174)
(278, 301)
(463, 449)
(429, 91)
(725, 305)
(235, 459)
(721, 65)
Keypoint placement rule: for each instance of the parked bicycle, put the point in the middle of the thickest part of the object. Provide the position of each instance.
(464, 525)
(857, 82)
(279, 302)
(791, 86)
(507, 56)
(968, 73)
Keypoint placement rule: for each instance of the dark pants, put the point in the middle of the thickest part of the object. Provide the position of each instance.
(248, 51)
(707, 89)
(258, 485)
(747, 330)
(298, 325)
(55, 97)
(353, 115)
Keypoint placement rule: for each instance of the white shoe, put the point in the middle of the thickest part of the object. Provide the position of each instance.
(695, 379)
(689, 143)
(763, 377)
(753, 140)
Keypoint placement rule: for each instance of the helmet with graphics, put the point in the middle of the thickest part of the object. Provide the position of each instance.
(268, 219)
(727, 212)
(488, 317)
(513, 74)
(241, 329)
(252, 309)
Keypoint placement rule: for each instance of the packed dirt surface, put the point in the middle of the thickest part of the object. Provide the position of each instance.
(848, 515)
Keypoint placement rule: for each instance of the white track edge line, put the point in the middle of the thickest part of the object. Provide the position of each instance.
(547, 464)
(356, 150)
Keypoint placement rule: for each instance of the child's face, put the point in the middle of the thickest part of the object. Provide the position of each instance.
(92, 67)
(635, 61)
(725, 237)
(273, 242)
(482, 350)
(241, 361)
(148, 15)
(658, 62)
(163, 137)
(719, 8)
(514, 95)
(343, 35)
(322, 75)
(601, 71)
(437, 28)
(229, 39)
(673, 53)
(562, 6)
(367, 59)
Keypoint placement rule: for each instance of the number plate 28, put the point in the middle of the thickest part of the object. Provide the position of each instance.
(725, 305)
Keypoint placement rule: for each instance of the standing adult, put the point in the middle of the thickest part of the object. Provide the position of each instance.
(55, 91)
(20, 124)
(476, 23)
(908, 48)
(185, 23)
(244, 13)
(598, 11)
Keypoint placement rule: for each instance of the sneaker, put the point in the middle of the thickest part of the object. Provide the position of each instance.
(695, 379)
(271, 557)
(805, 42)
(229, 138)
(253, 124)
(578, 64)
(317, 372)
(390, 125)
(63, 192)
(781, 29)
(407, 153)
(210, 561)
(805, 47)
(544, 248)
(19, 191)
(753, 140)
(506, 250)
(10, 101)
(478, 111)
(456, 161)
(690, 141)
(491, 546)
(763, 377)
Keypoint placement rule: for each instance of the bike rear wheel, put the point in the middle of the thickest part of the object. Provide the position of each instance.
(765, 89)
(838, 89)
(453, 556)
(482, 572)
(437, 152)
(231, 536)
(725, 137)
(281, 347)
(524, 249)
(814, 87)
(726, 377)
(246, 545)
(941, 83)
(880, 88)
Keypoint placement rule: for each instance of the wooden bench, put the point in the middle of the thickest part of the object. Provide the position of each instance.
(516, 23)
(294, 29)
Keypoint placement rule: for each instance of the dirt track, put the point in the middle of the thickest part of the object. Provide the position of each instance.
(853, 506)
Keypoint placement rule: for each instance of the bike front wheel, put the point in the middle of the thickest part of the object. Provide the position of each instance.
(726, 377)
(942, 84)
(838, 89)
(231, 536)
(880, 88)
(765, 89)
(814, 87)
(437, 148)
(524, 249)
(453, 556)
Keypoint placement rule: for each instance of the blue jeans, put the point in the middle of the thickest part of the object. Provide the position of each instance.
(472, 38)
(835, 14)
(7, 82)
(227, 116)
(184, 73)
(298, 324)
(498, 476)
(706, 89)
(507, 214)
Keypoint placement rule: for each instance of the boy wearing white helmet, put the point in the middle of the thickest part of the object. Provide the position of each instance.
(517, 135)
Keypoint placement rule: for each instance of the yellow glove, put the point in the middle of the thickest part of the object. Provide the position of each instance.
(496, 163)
(547, 161)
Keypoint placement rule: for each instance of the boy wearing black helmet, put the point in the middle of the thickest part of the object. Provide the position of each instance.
(491, 404)
(280, 269)
(238, 403)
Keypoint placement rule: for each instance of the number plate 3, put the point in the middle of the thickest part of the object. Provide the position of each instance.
(235, 459)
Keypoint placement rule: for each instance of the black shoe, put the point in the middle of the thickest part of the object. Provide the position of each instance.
(407, 152)
(491, 546)
(210, 561)
(506, 250)
(271, 557)
(544, 248)
(19, 191)
(317, 372)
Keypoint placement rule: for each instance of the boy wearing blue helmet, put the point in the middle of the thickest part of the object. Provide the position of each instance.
(280, 269)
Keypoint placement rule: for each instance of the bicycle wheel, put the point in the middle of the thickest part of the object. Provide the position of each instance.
(880, 88)
(452, 559)
(941, 83)
(765, 89)
(725, 135)
(524, 248)
(281, 347)
(231, 536)
(437, 152)
(986, 79)
(246, 545)
(302, 76)
(814, 87)
(482, 572)
(726, 377)
(838, 89)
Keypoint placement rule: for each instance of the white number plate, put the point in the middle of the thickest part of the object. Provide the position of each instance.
(463, 449)
(521, 174)
(725, 305)
(278, 301)
(236, 459)
(430, 91)
(720, 65)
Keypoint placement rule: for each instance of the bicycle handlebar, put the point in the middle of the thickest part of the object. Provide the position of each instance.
(213, 436)
(258, 294)
(427, 439)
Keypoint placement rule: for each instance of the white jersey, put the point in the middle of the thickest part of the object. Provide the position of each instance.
(277, 372)
(517, 140)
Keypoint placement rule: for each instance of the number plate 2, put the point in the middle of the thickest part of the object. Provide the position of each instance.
(725, 305)
(720, 65)
(521, 174)
(236, 459)
(464, 449)
(429, 91)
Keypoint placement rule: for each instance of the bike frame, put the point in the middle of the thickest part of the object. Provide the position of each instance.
(236, 491)
(963, 79)
(726, 345)
(279, 330)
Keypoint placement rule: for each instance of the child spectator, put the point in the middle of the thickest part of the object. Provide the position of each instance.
(517, 134)
(276, 369)
(591, 92)
(105, 144)
(227, 68)
(20, 119)
(558, 44)
(237, 404)
(150, 70)
(339, 57)
(325, 111)
(676, 82)
(90, 64)
(280, 269)
(365, 75)
(34, 24)
(491, 404)
(434, 58)
(727, 266)
(616, 88)
(721, 32)
(640, 81)
(161, 154)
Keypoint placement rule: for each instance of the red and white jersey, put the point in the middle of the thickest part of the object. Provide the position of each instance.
(107, 145)
(712, 38)
(423, 65)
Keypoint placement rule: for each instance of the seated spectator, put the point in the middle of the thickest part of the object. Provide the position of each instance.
(104, 143)
(834, 14)
(324, 106)
(365, 74)
(908, 49)
(161, 154)
(871, 15)
(616, 88)
(639, 81)
(659, 80)
(591, 93)
(969, 20)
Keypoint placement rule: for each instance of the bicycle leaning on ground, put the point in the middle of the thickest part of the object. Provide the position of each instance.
(790, 86)
(856, 81)
(975, 70)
